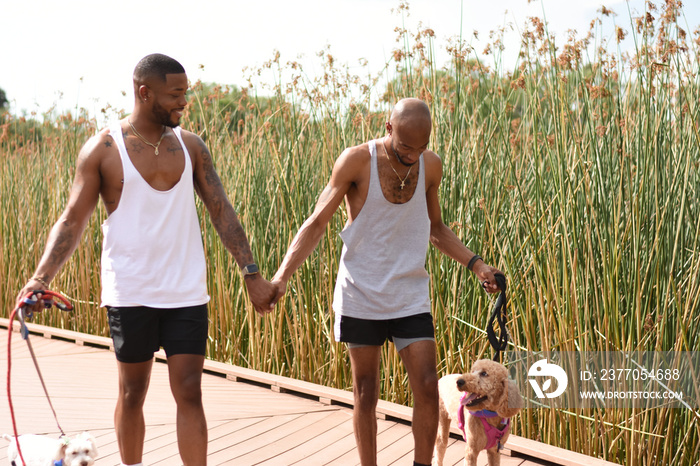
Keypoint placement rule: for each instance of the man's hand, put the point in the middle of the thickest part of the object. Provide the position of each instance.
(485, 273)
(262, 293)
(31, 285)
(281, 289)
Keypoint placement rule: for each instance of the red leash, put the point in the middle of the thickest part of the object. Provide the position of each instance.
(30, 299)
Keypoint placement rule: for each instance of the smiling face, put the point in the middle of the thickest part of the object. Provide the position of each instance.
(484, 385)
(169, 99)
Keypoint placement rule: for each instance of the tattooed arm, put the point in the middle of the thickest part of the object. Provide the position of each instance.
(225, 221)
(66, 232)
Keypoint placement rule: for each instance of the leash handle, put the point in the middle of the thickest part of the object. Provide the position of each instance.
(499, 344)
(50, 299)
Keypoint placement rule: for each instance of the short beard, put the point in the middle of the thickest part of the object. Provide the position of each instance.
(163, 117)
(398, 157)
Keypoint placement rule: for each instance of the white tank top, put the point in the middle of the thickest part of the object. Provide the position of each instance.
(382, 267)
(152, 253)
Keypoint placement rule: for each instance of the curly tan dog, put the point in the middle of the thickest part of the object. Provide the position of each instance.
(490, 399)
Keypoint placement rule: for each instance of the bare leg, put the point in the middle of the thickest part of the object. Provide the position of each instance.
(129, 423)
(186, 384)
(419, 359)
(365, 378)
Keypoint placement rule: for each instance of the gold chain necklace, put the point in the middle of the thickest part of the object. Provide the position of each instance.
(155, 146)
(403, 181)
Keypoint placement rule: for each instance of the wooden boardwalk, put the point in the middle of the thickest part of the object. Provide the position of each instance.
(253, 418)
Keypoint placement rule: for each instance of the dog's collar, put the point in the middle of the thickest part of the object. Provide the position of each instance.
(58, 463)
(484, 413)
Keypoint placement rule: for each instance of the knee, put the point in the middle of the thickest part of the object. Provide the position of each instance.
(133, 393)
(366, 393)
(188, 391)
(426, 389)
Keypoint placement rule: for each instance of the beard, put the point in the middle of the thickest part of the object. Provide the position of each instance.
(164, 117)
(398, 157)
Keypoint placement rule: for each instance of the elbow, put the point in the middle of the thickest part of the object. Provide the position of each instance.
(437, 234)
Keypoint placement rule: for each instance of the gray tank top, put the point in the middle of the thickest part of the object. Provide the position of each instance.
(382, 266)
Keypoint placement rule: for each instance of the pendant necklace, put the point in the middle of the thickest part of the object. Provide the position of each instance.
(155, 146)
(403, 181)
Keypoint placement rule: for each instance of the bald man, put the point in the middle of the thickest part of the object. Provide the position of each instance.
(390, 186)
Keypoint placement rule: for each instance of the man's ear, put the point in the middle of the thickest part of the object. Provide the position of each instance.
(144, 92)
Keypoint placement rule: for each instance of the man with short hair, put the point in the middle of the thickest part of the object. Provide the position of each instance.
(145, 168)
(390, 186)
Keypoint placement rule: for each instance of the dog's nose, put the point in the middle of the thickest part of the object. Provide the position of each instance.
(460, 382)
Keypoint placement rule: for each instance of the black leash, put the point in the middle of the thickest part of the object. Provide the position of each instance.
(499, 344)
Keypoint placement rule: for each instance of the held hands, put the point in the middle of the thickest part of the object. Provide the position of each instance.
(262, 293)
(281, 289)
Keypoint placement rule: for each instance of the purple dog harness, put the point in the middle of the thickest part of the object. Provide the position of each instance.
(493, 434)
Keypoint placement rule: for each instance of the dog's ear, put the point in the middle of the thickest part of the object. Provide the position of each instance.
(61, 453)
(88, 436)
(511, 402)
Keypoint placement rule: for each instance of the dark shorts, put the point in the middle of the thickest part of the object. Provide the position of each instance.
(138, 332)
(403, 331)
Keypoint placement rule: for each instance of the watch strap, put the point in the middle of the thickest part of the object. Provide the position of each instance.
(250, 269)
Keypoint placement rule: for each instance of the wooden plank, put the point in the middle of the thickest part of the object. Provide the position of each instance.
(553, 454)
(295, 433)
(335, 428)
(396, 445)
(351, 456)
(299, 432)
(244, 418)
(340, 441)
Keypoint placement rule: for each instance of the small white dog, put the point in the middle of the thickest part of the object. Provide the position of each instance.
(39, 450)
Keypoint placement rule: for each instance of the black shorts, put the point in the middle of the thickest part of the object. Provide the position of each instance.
(138, 332)
(365, 332)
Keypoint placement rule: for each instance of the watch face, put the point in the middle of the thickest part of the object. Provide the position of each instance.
(250, 269)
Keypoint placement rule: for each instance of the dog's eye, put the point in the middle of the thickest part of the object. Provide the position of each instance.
(484, 374)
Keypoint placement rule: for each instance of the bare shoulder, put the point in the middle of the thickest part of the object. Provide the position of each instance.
(433, 168)
(356, 154)
(353, 162)
(195, 144)
(97, 148)
(199, 154)
(432, 160)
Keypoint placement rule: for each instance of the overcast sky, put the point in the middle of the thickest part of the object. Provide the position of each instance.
(81, 53)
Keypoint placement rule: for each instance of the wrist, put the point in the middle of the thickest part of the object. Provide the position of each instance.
(41, 280)
(250, 271)
(473, 261)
